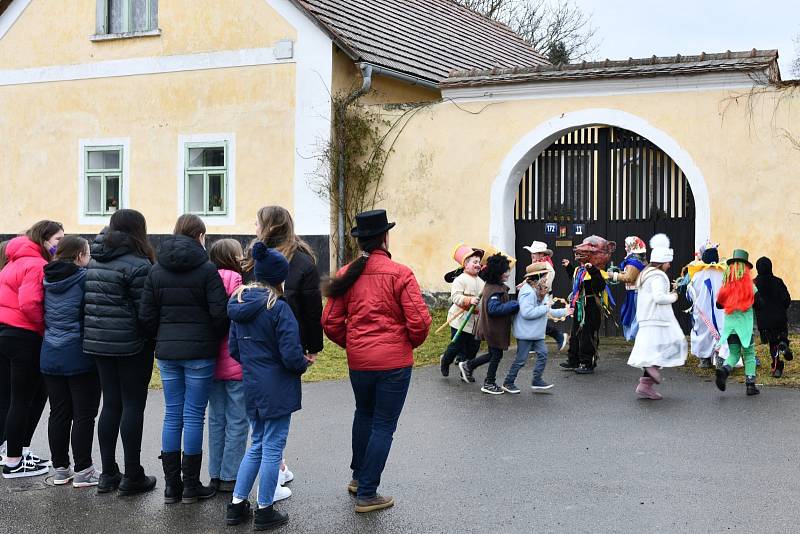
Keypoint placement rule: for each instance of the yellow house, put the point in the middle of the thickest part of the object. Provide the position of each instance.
(208, 107)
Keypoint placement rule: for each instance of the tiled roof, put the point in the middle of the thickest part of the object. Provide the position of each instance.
(752, 61)
(425, 39)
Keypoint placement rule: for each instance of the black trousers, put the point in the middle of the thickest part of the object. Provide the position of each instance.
(124, 381)
(22, 390)
(74, 401)
(584, 339)
(466, 345)
(493, 358)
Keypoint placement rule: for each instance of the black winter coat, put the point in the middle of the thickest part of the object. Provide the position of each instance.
(114, 282)
(184, 304)
(303, 294)
(774, 299)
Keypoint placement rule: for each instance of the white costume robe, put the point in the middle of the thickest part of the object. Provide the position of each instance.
(703, 289)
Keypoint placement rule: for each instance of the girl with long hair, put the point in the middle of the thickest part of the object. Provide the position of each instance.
(184, 306)
(123, 352)
(375, 311)
(21, 331)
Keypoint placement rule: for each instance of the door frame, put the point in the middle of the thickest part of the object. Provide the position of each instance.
(502, 233)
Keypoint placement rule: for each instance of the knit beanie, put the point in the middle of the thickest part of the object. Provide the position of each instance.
(660, 251)
(270, 265)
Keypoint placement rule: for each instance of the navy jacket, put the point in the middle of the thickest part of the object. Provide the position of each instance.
(62, 348)
(267, 344)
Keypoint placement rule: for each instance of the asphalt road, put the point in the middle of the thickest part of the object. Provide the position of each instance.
(589, 457)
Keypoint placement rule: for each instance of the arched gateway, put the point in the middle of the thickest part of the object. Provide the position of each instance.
(601, 172)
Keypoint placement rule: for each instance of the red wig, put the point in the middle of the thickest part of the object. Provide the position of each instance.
(737, 294)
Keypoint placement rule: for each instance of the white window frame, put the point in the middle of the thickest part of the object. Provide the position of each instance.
(103, 22)
(123, 143)
(194, 140)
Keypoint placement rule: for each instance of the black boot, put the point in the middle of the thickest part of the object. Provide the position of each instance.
(173, 485)
(135, 481)
(750, 382)
(109, 480)
(722, 377)
(269, 517)
(238, 513)
(193, 489)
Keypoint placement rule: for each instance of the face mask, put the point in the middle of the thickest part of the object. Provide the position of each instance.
(52, 250)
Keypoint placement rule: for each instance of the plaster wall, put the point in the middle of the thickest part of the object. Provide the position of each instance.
(55, 32)
(44, 123)
(440, 176)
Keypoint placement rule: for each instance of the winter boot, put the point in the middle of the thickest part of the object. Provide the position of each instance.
(269, 517)
(134, 482)
(173, 485)
(785, 351)
(645, 389)
(655, 373)
(750, 382)
(722, 377)
(193, 489)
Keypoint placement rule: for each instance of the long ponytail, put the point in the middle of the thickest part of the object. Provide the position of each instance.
(339, 285)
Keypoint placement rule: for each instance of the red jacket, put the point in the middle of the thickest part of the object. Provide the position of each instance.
(21, 289)
(228, 368)
(381, 318)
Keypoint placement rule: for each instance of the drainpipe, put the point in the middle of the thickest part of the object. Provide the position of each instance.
(366, 84)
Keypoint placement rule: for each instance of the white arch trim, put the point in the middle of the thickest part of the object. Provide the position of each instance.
(504, 188)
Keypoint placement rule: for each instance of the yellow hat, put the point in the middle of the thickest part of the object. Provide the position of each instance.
(489, 250)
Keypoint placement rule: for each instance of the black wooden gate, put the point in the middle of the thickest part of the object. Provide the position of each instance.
(605, 181)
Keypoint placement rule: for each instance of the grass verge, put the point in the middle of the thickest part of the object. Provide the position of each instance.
(791, 372)
(332, 362)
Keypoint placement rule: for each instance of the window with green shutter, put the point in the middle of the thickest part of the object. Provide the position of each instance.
(103, 178)
(206, 178)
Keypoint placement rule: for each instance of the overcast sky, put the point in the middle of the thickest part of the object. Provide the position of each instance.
(629, 28)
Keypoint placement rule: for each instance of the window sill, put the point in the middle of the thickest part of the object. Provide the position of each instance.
(126, 35)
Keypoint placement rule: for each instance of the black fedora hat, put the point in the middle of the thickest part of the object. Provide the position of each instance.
(371, 223)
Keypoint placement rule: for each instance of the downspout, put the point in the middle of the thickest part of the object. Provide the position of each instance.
(366, 84)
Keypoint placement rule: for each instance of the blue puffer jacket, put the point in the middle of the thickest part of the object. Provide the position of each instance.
(62, 349)
(267, 344)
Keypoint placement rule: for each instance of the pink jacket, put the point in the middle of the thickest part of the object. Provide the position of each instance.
(227, 367)
(21, 289)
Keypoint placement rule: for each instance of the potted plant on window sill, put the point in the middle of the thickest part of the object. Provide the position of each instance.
(216, 204)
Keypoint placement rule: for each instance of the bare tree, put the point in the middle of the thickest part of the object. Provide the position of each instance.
(796, 62)
(546, 24)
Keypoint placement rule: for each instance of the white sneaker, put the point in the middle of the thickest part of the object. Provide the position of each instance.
(281, 493)
(564, 343)
(285, 476)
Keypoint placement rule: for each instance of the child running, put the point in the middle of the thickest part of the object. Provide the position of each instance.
(265, 339)
(227, 416)
(494, 323)
(660, 341)
(530, 326)
(737, 297)
(771, 317)
(464, 294)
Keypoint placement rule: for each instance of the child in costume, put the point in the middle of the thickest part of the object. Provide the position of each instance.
(530, 326)
(591, 300)
(631, 266)
(494, 323)
(771, 318)
(737, 297)
(540, 253)
(465, 295)
(705, 280)
(660, 341)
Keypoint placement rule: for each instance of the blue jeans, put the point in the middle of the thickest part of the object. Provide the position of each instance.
(263, 459)
(380, 396)
(524, 347)
(187, 384)
(227, 429)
